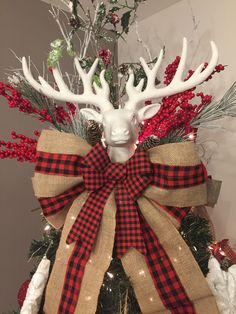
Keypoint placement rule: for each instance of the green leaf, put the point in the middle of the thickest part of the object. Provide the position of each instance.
(54, 56)
(109, 75)
(101, 12)
(125, 19)
(71, 50)
(56, 44)
(101, 65)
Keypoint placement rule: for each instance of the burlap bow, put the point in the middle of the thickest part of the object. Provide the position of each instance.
(133, 228)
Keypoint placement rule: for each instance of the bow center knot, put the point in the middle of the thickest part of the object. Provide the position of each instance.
(115, 172)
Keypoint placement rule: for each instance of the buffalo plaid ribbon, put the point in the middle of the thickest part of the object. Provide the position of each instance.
(128, 180)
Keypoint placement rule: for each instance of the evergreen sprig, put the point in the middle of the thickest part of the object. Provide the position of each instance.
(195, 231)
(217, 110)
(47, 245)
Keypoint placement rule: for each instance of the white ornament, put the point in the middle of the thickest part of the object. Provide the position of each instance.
(121, 125)
(223, 286)
(36, 288)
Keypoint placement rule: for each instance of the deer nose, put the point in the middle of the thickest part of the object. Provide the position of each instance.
(120, 131)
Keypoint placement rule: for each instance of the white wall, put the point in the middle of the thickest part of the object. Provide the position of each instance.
(216, 20)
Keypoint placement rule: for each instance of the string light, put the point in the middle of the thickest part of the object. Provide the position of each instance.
(141, 272)
(110, 275)
(194, 247)
(191, 136)
(47, 228)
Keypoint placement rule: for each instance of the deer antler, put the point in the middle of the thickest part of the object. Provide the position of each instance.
(99, 99)
(177, 85)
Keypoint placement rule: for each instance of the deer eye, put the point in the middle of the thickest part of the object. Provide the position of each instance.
(133, 117)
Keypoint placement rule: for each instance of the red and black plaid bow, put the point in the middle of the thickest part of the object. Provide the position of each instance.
(128, 181)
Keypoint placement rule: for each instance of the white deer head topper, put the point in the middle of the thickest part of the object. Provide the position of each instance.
(121, 126)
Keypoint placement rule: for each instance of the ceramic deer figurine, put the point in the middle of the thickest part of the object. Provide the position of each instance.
(121, 126)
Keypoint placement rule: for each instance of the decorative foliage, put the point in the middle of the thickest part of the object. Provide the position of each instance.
(24, 150)
(178, 120)
(217, 110)
(196, 233)
(47, 245)
(117, 290)
(180, 112)
(180, 115)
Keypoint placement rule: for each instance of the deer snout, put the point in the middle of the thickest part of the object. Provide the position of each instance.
(120, 132)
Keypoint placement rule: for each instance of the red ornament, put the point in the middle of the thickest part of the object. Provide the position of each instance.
(22, 292)
(114, 18)
(222, 249)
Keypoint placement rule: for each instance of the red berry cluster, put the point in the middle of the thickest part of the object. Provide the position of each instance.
(105, 55)
(64, 116)
(171, 70)
(177, 111)
(23, 150)
(218, 69)
(15, 100)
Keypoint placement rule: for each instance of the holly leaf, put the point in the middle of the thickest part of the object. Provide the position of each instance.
(125, 21)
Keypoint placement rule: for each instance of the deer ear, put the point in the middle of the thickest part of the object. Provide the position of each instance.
(91, 114)
(148, 112)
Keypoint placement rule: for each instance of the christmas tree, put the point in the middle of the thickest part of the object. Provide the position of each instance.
(178, 120)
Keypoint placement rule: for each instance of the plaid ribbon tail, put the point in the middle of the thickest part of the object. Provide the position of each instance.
(166, 281)
(83, 233)
(73, 279)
